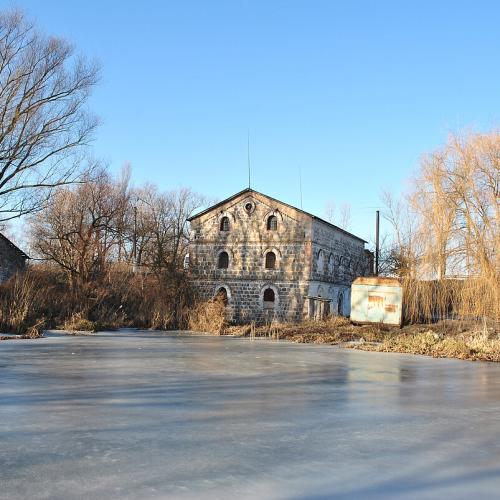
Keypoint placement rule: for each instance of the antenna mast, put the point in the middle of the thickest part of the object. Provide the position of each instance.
(248, 158)
(377, 242)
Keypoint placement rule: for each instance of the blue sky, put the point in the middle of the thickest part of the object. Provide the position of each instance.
(351, 92)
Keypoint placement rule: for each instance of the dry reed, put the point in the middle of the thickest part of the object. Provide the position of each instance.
(209, 317)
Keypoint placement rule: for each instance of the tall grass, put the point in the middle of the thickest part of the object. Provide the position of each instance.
(43, 295)
(475, 299)
(19, 304)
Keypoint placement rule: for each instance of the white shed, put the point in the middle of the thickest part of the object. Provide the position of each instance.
(377, 300)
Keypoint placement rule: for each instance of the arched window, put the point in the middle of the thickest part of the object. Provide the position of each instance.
(270, 260)
(224, 224)
(222, 295)
(330, 265)
(321, 262)
(269, 297)
(223, 262)
(336, 268)
(272, 223)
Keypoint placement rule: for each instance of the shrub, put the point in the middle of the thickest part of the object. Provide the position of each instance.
(35, 331)
(334, 321)
(208, 317)
(78, 323)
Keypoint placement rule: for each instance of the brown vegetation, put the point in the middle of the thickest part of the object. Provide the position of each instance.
(445, 339)
(442, 340)
(91, 276)
(112, 257)
(333, 330)
(19, 304)
(209, 317)
(44, 298)
(78, 323)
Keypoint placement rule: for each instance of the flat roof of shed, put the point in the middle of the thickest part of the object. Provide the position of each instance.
(376, 280)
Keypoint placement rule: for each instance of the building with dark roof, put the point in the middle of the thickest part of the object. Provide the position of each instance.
(268, 259)
(12, 259)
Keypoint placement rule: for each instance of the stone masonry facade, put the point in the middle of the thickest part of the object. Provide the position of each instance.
(270, 260)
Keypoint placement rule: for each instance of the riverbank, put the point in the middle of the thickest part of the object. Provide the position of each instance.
(447, 339)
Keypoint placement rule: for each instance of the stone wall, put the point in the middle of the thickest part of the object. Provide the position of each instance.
(12, 260)
(338, 256)
(245, 299)
(338, 259)
(247, 242)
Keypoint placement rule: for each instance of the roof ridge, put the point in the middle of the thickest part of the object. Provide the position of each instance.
(248, 190)
(13, 245)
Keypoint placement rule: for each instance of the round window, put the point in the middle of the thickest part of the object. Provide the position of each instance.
(249, 207)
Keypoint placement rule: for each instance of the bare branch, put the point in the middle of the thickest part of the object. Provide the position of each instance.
(44, 89)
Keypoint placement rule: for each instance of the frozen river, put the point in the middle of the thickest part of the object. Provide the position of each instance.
(143, 415)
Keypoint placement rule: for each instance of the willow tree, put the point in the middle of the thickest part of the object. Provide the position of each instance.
(454, 248)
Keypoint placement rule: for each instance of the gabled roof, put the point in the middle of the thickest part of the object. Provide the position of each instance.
(249, 190)
(14, 247)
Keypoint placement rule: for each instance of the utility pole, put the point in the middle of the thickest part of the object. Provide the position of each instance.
(377, 249)
(135, 241)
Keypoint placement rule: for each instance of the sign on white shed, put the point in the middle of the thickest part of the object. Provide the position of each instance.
(377, 300)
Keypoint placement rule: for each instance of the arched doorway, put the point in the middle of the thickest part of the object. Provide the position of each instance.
(222, 295)
(340, 304)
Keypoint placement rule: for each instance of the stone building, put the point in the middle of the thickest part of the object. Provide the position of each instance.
(269, 260)
(12, 259)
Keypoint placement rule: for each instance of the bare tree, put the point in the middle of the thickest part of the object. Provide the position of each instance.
(330, 210)
(399, 253)
(78, 231)
(43, 122)
(162, 227)
(342, 219)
